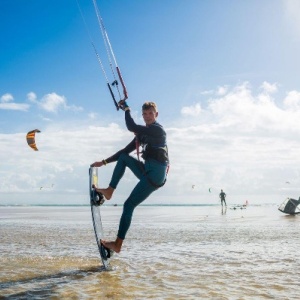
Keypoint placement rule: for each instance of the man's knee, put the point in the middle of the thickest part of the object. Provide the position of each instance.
(123, 156)
(126, 159)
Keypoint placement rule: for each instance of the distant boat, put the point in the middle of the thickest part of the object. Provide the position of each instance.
(290, 206)
(244, 206)
(238, 207)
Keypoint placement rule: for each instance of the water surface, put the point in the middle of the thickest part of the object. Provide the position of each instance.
(171, 252)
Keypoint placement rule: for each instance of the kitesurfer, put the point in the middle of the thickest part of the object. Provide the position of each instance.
(151, 173)
(222, 197)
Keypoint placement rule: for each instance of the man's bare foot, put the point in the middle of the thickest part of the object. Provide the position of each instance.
(114, 245)
(107, 193)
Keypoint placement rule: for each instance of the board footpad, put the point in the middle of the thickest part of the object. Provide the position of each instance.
(105, 252)
(97, 198)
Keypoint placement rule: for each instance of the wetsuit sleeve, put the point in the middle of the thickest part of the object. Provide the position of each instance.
(140, 129)
(129, 148)
(131, 125)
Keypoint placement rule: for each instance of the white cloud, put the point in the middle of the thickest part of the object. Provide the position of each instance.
(53, 103)
(14, 106)
(222, 90)
(6, 103)
(292, 100)
(193, 110)
(246, 143)
(32, 97)
(7, 98)
(269, 88)
(50, 102)
(210, 92)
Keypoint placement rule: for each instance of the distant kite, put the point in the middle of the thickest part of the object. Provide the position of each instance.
(209, 190)
(30, 137)
(47, 187)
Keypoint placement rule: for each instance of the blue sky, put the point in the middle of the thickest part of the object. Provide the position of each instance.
(223, 73)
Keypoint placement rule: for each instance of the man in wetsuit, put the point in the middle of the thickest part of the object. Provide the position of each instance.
(223, 196)
(151, 173)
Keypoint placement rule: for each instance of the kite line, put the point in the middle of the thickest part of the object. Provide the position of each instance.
(115, 70)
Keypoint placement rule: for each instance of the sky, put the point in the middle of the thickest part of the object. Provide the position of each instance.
(224, 74)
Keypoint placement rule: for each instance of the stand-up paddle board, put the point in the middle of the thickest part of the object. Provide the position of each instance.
(96, 200)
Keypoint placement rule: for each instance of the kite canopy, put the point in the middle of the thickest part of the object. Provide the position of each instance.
(290, 206)
(30, 137)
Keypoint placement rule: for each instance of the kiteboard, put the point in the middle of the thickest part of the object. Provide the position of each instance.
(96, 200)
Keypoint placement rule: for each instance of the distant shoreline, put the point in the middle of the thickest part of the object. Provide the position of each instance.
(111, 205)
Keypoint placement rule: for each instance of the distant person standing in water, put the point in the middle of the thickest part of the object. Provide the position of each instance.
(222, 197)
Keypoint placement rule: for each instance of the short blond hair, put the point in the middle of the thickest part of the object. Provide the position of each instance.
(148, 105)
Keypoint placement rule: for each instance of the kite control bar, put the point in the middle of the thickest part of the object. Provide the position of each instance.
(115, 83)
(112, 94)
(123, 84)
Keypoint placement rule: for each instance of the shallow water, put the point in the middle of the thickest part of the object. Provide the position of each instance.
(173, 252)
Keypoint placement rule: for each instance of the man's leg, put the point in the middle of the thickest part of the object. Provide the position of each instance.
(125, 160)
(157, 173)
(141, 191)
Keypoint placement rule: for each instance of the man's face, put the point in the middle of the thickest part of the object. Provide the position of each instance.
(149, 116)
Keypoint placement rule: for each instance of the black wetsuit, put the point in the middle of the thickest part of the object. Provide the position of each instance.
(151, 173)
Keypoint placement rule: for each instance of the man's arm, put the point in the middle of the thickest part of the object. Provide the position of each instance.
(129, 148)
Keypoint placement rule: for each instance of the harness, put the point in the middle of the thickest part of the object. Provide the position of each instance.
(137, 146)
